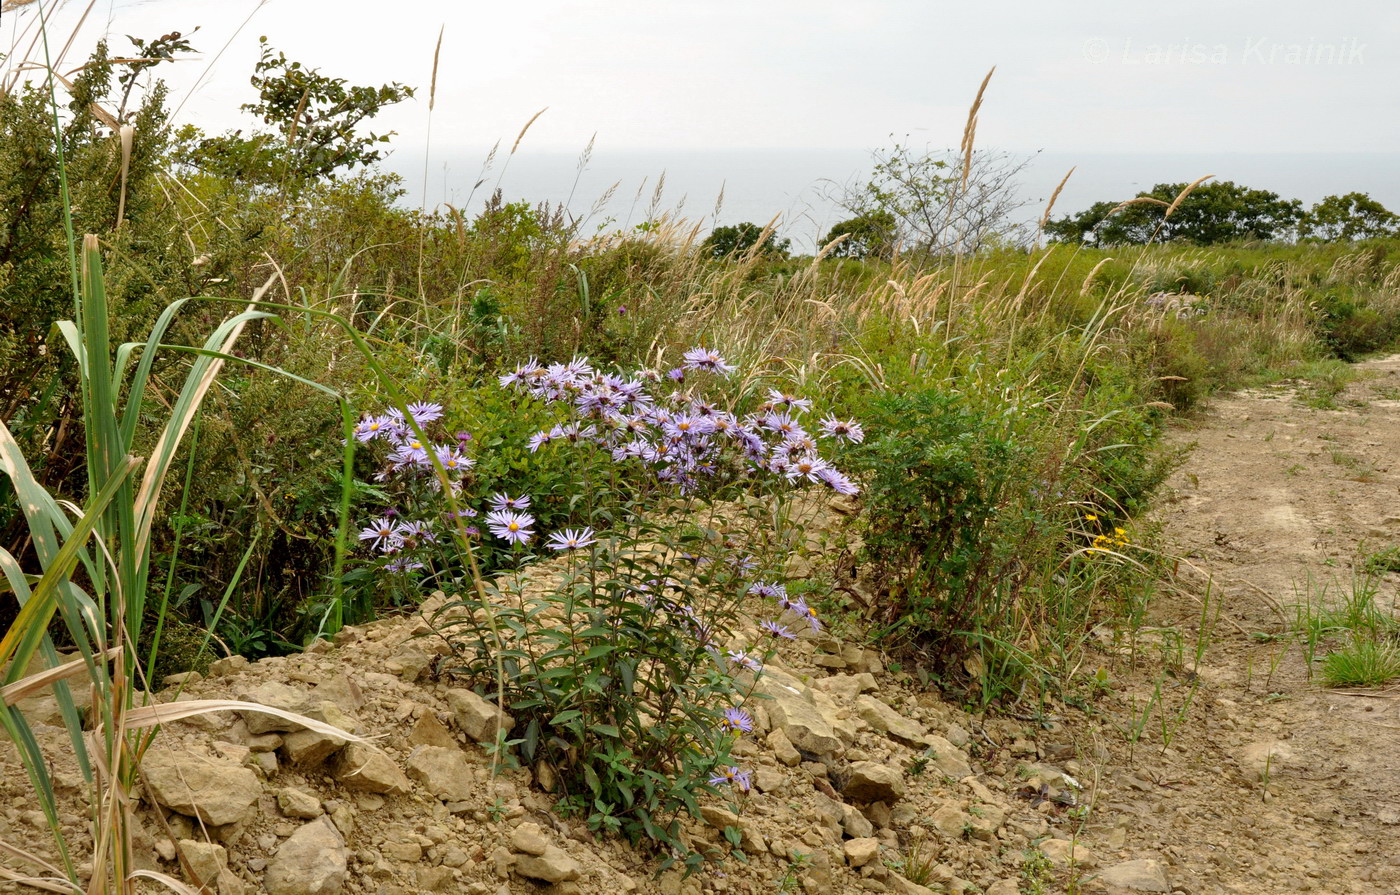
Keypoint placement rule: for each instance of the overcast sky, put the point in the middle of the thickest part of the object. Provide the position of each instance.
(1105, 75)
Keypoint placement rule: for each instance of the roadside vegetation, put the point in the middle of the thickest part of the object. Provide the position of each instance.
(335, 405)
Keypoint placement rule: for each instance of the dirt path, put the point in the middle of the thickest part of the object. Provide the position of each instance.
(1278, 500)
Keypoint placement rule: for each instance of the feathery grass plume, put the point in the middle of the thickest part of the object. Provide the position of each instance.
(970, 129)
(1050, 206)
(1181, 197)
(437, 53)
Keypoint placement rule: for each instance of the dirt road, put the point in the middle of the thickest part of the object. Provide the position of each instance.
(1273, 783)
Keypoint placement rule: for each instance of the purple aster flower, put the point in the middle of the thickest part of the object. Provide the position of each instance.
(382, 532)
(372, 427)
(837, 482)
(736, 721)
(676, 375)
(705, 359)
(808, 467)
(463, 436)
(502, 501)
(425, 412)
(571, 539)
(539, 439)
(846, 430)
(452, 459)
(742, 659)
(740, 780)
(783, 423)
(788, 402)
(415, 532)
(525, 374)
(774, 629)
(765, 589)
(402, 565)
(809, 615)
(510, 526)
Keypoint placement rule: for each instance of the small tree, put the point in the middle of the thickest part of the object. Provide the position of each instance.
(937, 204)
(870, 235)
(314, 120)
(740, 238)
(1349, 217)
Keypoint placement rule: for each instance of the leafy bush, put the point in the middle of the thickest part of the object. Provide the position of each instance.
(936, 478)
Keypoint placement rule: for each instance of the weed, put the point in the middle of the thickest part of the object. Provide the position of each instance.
(1362, 662)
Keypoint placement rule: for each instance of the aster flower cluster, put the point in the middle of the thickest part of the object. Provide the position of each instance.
(681, 438)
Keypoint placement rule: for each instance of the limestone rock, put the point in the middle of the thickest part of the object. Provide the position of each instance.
(554, 866)
(804, 725)
(298, 804)
(886, 720)
(1063, 853)
(783, 749)
(529, 839)
(429, 731)
(272, 694)
(1146, 875)
(874, 782)
(442, 771)
(950, 821)
(363, 768)
(476, 717)
(949, 759)
(216, 791)
(1004, 887)
(860, 852)
(311, 862)
(205, 859)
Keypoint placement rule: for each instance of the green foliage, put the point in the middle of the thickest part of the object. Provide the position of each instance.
(1362, 662)
(739, 239)
(936, 474)
(869, 235)
(314, 120)
(1213, 213)
(1347, 218)
(614, 695)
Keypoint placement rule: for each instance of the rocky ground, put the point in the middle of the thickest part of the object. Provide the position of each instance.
(1228, 774)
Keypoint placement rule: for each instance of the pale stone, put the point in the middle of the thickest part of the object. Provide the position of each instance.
(860, 852)
(1146, 875)
(554, 866)
(478, 719)
(205, 860)
(298, 804)
(312, 862)
(529, 839)
(363, 768)
(886, 720)
(782, 748)
(442, 771)
(873, 782)
(216, 791)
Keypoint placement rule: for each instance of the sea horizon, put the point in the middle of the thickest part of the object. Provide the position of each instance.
(801, 188)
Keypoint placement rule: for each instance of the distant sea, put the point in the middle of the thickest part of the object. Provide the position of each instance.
(800, 186)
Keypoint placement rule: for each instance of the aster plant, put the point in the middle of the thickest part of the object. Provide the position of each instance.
(625, 665)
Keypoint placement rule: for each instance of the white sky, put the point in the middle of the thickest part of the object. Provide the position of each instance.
(1088, 75)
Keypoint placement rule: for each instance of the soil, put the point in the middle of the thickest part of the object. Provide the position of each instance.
(1278, 499)
(1208, 761)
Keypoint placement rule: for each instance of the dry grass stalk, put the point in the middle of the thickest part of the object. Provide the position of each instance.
(970, 129)
(1050, 206)
(533, 118)
(1181, 197)
(432, 85)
